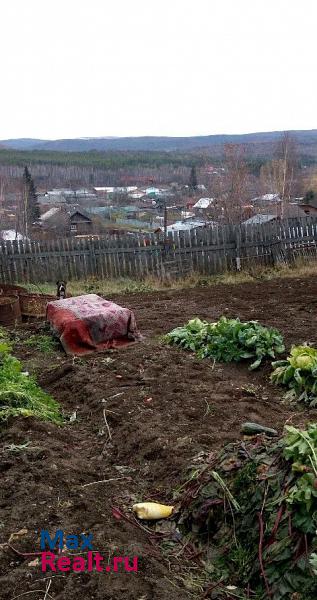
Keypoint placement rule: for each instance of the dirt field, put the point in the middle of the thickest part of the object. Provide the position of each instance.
(166, 407)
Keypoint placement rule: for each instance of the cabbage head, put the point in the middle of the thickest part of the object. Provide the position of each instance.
(303, 357)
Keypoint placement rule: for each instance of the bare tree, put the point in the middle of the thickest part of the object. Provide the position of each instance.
(286, 152)
(28, 210)
(231, 188)
(3, 186)
(279, 175)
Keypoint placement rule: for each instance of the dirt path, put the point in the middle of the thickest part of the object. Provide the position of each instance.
(164, 407)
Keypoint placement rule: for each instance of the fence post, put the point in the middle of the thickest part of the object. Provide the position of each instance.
(238, 247)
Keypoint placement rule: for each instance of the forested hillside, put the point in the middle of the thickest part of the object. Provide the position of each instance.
(306, 139)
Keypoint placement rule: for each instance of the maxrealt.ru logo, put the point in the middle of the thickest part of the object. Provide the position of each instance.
(88, 560)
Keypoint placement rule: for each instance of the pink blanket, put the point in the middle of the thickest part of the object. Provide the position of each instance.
(89, 323)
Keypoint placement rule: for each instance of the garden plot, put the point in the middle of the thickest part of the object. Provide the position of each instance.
(136, 418)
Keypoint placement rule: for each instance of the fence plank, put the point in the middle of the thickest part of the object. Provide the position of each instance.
(211, 250)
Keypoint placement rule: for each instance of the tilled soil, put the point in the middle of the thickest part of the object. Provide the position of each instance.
(142, 414)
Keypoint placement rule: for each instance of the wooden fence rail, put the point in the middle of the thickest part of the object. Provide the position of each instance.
(207, 251)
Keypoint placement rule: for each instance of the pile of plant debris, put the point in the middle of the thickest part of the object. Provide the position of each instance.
(228, 340)
(20, 395)
(252, 513)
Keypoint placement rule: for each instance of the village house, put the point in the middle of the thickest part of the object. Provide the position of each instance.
(259, 219)
(66, 221)
(80, 223)
(202, 205)
(288, 211)
(309, 204)
(152, 191)
(106, 190)
(131, 212)
(265, 200)
(136, 195)
(7, 217)
(64, 195)
(189, 225)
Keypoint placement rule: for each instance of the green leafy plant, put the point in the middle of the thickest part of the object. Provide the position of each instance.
(299, 373)
(92, 288)
(301, 449)
(5, 344)
(5, 347)
(21, 396)
(228, 340)
(42, 343)
(137, 287)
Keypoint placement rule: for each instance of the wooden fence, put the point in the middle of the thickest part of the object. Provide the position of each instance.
(206, 251)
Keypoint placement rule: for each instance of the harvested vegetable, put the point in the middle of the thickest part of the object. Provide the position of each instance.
(299, 373)
(228, 340)
(152, 510)
(256, 428)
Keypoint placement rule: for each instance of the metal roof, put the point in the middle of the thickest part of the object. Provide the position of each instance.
(185, 225)
(97, 210)
(49, 213)
(203, 203)
(73, 211)
(128, 208)
(259, 219)
(267, 198)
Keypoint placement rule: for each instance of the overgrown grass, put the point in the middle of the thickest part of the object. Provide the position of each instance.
(131, 286)
(20, 394)
(5, 342)
(150, 284)
(93, 285)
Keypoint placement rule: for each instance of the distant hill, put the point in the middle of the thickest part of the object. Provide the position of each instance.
(307, 140)
(22, 143)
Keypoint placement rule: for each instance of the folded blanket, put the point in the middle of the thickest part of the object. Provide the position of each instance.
(89, 323)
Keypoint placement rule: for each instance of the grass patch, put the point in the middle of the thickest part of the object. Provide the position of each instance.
(125, 285)
(42, 343)
(20, 395)
(5, 343)
(98, 286)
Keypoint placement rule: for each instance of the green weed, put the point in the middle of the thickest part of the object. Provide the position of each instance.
(21, 396)
(42, 343)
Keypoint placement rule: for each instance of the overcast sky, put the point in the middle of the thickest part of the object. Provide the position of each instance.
(93, 68)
